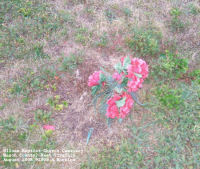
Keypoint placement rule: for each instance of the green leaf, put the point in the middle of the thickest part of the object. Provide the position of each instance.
(59, 107)
(118, 67)
(121, 102)
(138, 75)
(109, 121)
(95, 89)
(120, 120)
(65, 103)
(124, 82)
(118, 90)
(127, 62)
(48, 133)
(102, 78)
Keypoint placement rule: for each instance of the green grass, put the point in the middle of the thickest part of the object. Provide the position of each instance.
(25, 25)
(177, 25)
(195, 75)
(129, 154)
(71, 62)
(82, 35)
(145, 41)
(31, 82)
(103, 40)
(169, 65)
(176, 146)
(193, 9)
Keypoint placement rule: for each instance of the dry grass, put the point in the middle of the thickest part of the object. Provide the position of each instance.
(73, 123)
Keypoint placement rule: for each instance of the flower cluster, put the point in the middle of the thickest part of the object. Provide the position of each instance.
(137, 72)
(124, 101)
(129, 75)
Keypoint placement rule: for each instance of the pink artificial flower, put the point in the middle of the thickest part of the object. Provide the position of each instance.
(94, 79)
(113, 111)
(124, 110)
(134, 84)
(138, 66)
(117, 76)
(48, 127)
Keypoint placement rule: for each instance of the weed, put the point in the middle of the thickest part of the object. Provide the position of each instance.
(169, 66)
(42, 116)
(195, 74)
(127, 12)
(32, 82)
(82, 35)
(46, 142)
(66, 16)
(27, 85)
(176, 23)
(110, 15)
(56, 103)
(171, 98)
(145, 41)
(38, 51)
(103, 41)
(70, 63)
(2, 106)
(8, 124)
(193, 9)
(13, 131)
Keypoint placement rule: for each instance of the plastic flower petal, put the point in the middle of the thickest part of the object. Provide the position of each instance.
(48, 127)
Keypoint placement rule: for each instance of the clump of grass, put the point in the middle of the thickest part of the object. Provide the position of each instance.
(127, 12)
(103, 41)
(170, 65)
(71, 62)
(169, 97)
(195, 74)
(42, 116)
(176, 24)
(146, 42)
(110, 14)
(193, 9)
(82, 35)
(57, 103)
